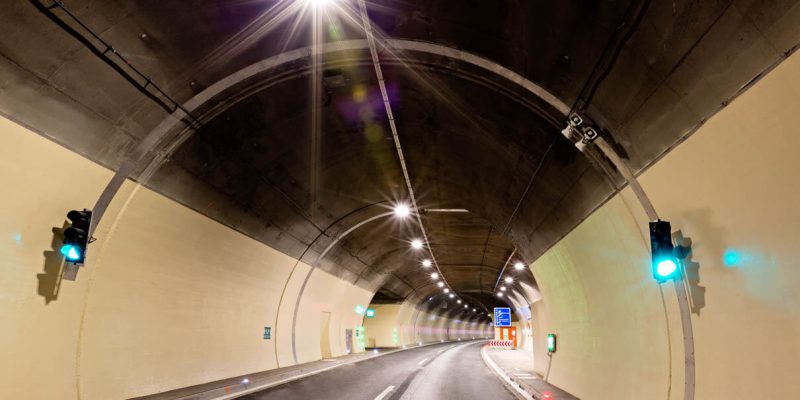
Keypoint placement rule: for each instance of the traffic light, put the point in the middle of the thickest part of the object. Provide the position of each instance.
(665, 267)
(551, 343)
(76, 237)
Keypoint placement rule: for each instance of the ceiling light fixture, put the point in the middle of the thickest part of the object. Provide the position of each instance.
(426, 263)
(402, 211)
(519, 265)
(503, 288)
(509, 279)
(319, 3)
(434, 276)
(441, 284)
(416, 243)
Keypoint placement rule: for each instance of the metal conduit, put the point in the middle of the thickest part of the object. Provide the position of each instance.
(384, 94)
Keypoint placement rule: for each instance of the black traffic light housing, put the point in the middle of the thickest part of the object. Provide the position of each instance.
(665, 266)
(76, 237)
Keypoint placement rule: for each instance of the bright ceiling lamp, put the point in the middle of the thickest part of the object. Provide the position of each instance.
(402, 211)
(319, 3)
(519, 265)
(509, 279)
(434, 276)
(459, 301)
(441, 284)
(447, 290)
(499, 294)
(452, 295)
(426, 263)
(503, 288)
(416, 244)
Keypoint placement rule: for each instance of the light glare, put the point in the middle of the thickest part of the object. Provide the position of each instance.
(434, 276)
(441, 284)
(426, 263)
(319, 3)
(666, 268)
(509, 279)
(416, 243)
(402, 211)
(519, 265)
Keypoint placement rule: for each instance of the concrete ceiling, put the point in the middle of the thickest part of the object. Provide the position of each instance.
(472, 140)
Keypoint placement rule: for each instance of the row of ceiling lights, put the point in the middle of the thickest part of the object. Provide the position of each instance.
(403, 211)
(509, 280)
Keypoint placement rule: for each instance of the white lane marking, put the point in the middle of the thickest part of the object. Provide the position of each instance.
(422, 362)
(502, 375)
(254, 389)
(385, 392)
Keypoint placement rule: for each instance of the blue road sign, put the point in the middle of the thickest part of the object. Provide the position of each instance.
(502, 316)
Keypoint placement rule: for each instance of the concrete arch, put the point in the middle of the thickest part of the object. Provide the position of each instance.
(152, 144)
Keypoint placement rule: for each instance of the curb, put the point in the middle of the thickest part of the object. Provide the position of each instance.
(254, 389)
(519, 389)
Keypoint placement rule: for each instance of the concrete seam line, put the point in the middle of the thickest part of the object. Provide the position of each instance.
(504, 377)
(315, 372)
(314, 267)
(151, 140)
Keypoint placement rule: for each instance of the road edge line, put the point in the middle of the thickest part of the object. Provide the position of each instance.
(504, 377)
(315, 372)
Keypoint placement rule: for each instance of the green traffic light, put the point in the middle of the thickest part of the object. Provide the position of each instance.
(666, 268)
(71, 252)
(551, 343)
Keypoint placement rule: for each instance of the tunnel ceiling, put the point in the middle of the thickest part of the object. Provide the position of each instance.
(473, 140)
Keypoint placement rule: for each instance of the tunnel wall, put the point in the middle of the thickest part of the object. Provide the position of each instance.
(416, 326)
(732, 188)
(168, 298)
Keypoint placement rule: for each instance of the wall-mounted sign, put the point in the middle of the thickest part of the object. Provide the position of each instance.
(502, 316)
(370, 313)
(267, 333)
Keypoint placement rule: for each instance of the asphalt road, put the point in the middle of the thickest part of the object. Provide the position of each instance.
(444, 371)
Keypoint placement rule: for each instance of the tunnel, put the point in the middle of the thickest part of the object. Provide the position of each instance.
(399, 199)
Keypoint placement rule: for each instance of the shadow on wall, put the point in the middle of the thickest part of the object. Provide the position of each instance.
(50, 280)
(697, 293)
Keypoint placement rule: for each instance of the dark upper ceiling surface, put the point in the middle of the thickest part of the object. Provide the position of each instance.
(472, 139)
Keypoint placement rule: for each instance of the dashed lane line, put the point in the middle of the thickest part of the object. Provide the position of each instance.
(385, 392)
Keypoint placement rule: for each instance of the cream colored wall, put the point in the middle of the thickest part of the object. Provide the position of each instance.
(168, 298)
(732, 185)
(386, 322)
(429, 327)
